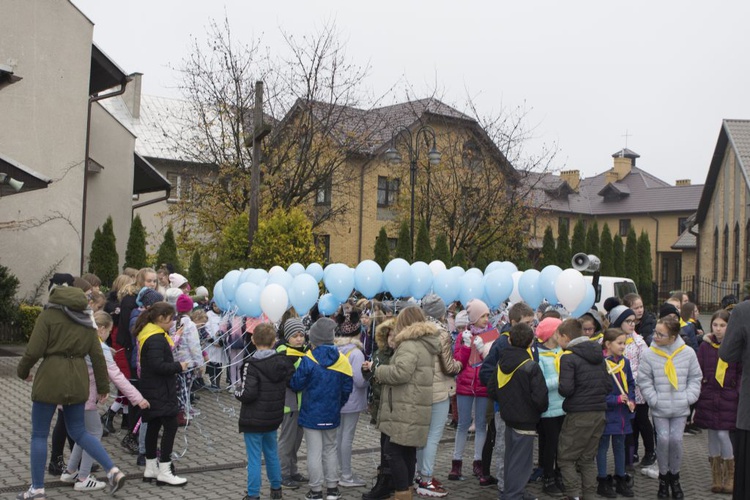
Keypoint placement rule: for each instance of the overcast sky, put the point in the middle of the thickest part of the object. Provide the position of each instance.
(667, 72)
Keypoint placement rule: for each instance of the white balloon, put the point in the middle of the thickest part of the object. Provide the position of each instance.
(274, 301)
(570, 288)
(515, 296)
(275, 269)
(437, 267)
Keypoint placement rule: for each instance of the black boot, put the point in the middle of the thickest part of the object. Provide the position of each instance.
(674, 483)
(56, 466)
(383, 487)
(606, 488)
(622, 487)
(108, 422)
(664, 480)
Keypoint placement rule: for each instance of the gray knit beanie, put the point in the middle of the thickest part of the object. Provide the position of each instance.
(322, 332)
(292, 326)
(433, 306)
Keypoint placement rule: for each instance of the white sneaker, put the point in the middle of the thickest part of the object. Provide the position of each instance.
(69, 477)
(651, 471)
(351, 482)
(90, 484)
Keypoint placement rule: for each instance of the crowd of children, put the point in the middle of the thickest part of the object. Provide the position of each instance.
(584, 387)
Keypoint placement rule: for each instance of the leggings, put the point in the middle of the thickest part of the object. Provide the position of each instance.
(489, 447)
(59, 434)
(167, 438)
(549, 437)
(719, 444)
(641, 427)
(669, 443)
(403, 465)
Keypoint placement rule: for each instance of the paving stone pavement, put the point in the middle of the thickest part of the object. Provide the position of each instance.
(212, 456)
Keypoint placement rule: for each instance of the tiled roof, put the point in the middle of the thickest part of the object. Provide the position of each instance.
(739, 136)
(638, 192)
(161, 121)
(686, 241)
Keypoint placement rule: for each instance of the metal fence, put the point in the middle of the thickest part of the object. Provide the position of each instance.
(10, 333)
(707, 293)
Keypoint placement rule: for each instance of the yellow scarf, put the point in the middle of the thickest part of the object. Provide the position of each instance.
(504, 378)
(629, 340)
(669, 368)
(148, 331)
(595, 338)
(341, 365)
(615, 368)
(682, 323)
(721, 367)
(556, 355)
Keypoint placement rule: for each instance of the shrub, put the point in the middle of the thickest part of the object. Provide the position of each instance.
(27, 315)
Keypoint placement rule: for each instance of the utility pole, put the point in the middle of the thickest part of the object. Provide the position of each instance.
(259, 132)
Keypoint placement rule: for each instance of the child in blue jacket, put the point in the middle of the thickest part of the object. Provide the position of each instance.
(324, 376)
(620, 407)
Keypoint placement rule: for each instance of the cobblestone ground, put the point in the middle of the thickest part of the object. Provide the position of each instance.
(212, 456)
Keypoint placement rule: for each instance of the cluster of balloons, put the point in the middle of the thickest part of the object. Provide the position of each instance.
(253, 292)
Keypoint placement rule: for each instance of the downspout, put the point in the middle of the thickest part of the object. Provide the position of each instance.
(656, 255)
(361, 207)
(92, 100)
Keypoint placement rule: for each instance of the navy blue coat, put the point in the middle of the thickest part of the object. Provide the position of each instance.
(324, 390)
(618, 414)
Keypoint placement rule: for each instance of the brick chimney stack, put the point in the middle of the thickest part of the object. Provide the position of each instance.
(682, 182)
(572, 177)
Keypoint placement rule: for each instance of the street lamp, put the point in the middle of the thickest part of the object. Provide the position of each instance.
(412, 144)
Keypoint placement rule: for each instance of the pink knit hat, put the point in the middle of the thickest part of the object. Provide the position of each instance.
(184, 304)
(546, 328)
(476, 309)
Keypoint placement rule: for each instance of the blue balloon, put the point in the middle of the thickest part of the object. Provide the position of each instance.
(328, 304)
(397, 278)
(475, 271)
(315, 270)
(471, 288)
(587, 302)
(421, 279)
(457, 270)
(327, 270)
(339, 281)
(446, 286)
(547, 279)
(498, 285)
(368, 278)
(295, 269)
(231, 280)
(245, 275)
(282, 278)
(219, 297)
(492, 266)
(247, 298)
(303, 293)
(257, 276)
(508, 266)
(528, 287)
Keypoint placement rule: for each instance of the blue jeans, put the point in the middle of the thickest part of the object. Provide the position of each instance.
(255, 444)
(41, 418)
(618, 449)
(426, 455)
(465, 404)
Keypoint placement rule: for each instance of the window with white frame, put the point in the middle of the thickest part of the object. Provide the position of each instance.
(181, 187)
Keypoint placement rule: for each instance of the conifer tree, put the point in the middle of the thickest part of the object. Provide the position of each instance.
(103, 259)
(382, 252)
(631, 256)
(196, 274)
(645, 281)
(563, 246)
(459, 259)
(441, 251)
(403, 246)
(167, 253)
(578, 243)
(422, 249)
(135, 254)
(606, 254)
(549, 252)
(592, 239)
(618, 255)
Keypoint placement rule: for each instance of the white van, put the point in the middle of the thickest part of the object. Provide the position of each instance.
(612, 286)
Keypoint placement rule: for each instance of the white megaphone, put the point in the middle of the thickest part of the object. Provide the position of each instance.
(13, 183)
(583, 262)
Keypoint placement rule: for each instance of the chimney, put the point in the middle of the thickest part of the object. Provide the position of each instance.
(572, 177)
(132, 95)
(682, 182)
(622, 167)
(610, 176)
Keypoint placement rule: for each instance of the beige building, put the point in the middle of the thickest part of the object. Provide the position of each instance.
(723, 218)
(625, 196)
(76, 160)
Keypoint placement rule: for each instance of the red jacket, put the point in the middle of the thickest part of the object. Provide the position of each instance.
(467, 381)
